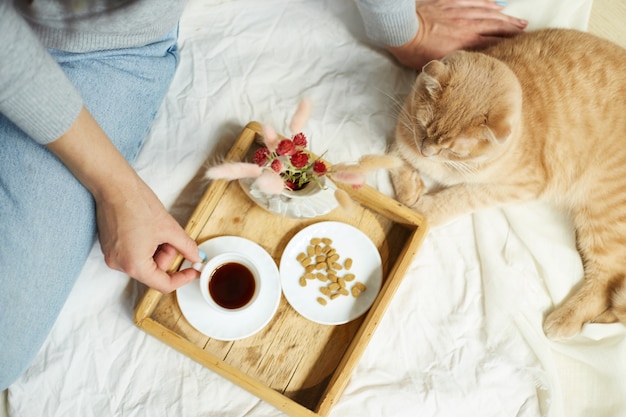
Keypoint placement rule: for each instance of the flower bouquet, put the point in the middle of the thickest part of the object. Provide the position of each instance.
(282, 163)
(296, 166)
(286, 165)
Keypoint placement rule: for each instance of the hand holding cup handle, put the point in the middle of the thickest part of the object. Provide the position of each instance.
(199, 266)
(229, 282)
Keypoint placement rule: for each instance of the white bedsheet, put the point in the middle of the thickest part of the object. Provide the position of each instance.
(462, 336)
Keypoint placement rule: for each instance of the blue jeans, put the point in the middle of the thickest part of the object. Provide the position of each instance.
(47, 218)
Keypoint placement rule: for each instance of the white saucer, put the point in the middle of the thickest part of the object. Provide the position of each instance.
(239, 324)
(349, 242)
(309, 203)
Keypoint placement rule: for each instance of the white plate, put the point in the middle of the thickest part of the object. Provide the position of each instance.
(349, 242)
(239, 324)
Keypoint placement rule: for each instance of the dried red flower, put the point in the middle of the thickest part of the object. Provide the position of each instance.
(299, 140)
(261, 156)
(277, 165)
(290, 161)
(299, 159)
(285, 148)
(319, 167)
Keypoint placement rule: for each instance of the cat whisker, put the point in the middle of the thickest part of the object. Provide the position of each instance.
(397, 103)
(462, 168)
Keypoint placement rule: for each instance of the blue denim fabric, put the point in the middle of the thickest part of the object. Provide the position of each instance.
(47, 218)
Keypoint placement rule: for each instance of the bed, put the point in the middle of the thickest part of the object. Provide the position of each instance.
(462, 335)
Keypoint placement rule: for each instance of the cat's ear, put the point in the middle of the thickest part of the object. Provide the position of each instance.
(434, 68)
(431, 75)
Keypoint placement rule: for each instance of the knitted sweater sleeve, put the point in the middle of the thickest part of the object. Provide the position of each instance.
(35, 94)
(390, 22)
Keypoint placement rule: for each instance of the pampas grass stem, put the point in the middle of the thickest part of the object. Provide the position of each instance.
(234, 170)
(301, 116)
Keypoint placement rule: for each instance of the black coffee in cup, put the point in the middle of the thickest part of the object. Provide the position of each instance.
(232, 285)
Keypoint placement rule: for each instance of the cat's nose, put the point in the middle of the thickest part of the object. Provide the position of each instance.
(429, 150)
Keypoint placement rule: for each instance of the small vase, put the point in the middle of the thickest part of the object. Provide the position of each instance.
(309, 201)
(309, 189)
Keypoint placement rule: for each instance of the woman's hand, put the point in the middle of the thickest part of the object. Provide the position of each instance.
(449, 25)
(137, 235)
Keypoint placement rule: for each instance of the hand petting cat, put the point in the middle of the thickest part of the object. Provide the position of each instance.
(449, 25)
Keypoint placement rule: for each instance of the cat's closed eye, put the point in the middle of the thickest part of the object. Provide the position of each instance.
(455, 153)
(445, 150)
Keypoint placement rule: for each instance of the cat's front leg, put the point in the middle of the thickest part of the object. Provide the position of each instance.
(439, 211)
(428, 207)
(446, 204)
(407, 184)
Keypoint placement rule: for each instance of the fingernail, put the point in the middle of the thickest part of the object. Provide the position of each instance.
(202, 255)
(501, 3)
(198, 266)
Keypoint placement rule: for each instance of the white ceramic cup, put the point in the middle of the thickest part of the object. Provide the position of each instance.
(217, 268)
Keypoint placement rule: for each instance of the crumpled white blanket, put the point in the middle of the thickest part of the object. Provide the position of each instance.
(462, 336)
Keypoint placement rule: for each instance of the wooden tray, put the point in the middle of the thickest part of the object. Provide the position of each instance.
(296, 365)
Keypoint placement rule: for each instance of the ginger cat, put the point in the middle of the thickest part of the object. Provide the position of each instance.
(538, 116)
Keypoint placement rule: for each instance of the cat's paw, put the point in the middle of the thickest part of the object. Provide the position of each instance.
(408, 187)
(409, 199)
(562, 323)
(428, 207)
